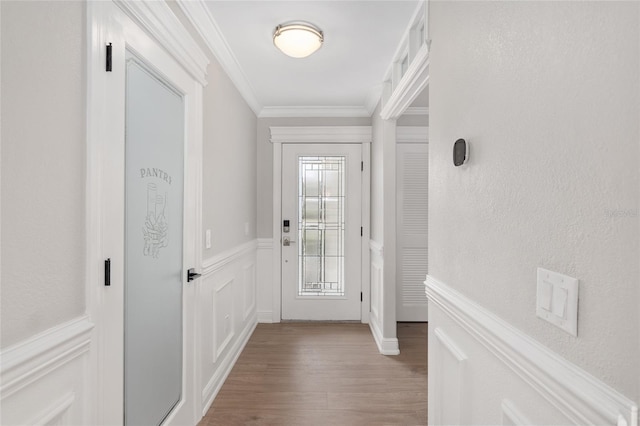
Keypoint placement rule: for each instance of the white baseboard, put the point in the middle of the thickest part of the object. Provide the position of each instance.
(265, 317)
(386, 346)
(44, 379)
(538, 384)
(225, 365)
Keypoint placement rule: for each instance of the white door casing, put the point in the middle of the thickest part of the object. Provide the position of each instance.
(151, 32)
(321, 248)
(319, 135)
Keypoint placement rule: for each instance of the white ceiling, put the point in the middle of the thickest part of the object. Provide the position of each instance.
(361, 38)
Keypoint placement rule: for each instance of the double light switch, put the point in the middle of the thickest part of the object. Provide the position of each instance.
(557, 300)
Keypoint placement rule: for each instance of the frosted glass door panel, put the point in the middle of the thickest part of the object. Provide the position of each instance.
(154, 225)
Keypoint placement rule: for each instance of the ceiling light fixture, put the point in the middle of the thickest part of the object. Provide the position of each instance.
(298, 39)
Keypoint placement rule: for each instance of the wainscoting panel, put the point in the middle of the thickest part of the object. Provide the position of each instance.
(227, 312)
(265, 282)
(385, 346)
(45, 379)
(485, 371)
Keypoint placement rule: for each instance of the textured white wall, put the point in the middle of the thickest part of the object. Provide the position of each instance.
(548, 95)
(43, 166)
(265, 161)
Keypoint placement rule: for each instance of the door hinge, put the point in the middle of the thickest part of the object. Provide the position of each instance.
(362, 166)
(107, 272)
(109, 66)
(361, 296)
(361, 231)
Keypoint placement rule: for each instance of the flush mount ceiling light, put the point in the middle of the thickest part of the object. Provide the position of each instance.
(298, 39)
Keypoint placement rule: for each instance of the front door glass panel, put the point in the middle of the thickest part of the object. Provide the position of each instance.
(321, 221)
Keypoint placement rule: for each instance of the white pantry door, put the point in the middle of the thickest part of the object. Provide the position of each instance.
(144, 175)
(321, 255)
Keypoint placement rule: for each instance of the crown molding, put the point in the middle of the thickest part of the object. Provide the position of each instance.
(320, 134)
(313, 111)
(200, 17)
(160, 22)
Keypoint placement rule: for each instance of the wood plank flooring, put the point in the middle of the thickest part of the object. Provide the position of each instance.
(325, 374)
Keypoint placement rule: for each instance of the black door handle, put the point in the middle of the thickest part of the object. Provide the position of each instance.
(192, 274)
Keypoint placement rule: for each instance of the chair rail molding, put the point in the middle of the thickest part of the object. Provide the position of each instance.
(220, 260)
(565, 388)
(48, 374)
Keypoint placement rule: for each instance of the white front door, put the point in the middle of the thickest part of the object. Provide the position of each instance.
(321, 231)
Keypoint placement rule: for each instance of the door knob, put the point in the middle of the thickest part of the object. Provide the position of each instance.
(287, 242)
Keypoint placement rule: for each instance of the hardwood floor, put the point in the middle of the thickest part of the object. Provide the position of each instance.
(325, 374)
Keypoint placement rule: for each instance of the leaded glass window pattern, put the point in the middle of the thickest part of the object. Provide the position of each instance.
(321, 217)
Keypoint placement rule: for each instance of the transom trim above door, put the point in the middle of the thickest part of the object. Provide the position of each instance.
(361, 135)
(321, 134)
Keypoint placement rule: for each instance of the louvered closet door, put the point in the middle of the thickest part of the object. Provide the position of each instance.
(411, 261)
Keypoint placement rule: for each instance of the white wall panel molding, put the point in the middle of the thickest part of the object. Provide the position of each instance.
(264, 281)
(321, 134)
(314, 111)
(227, 296)
(36, 357)
(386, 346)
(450, 390)
(579, 397)
(249, 289)
(57, 413)
(376, 248)
(157, 18)
(220, 260)
(512, 416)
(223, 317)
(45, 379)
(225, 365)
(412, 134)
(265, 243)
(203, 21)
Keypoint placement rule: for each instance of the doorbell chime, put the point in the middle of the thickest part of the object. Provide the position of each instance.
(460, 152)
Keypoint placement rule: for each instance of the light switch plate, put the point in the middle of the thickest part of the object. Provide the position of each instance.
(557, 300)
